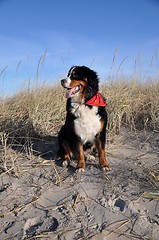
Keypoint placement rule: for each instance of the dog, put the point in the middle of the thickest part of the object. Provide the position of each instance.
(86, 118)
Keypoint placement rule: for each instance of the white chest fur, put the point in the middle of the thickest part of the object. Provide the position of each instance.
(87, 124)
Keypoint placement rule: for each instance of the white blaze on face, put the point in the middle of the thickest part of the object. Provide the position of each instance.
(67, 82)
(71, 72)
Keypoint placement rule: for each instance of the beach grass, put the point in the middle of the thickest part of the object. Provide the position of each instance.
(42, 110)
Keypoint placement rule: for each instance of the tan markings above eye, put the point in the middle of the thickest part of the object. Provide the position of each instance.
(73, 73)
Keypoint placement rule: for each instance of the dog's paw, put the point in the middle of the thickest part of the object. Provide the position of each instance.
(80, 170)
(65, 163)
(105, 169)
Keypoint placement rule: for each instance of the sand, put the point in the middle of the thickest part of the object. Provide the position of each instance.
(42, 200)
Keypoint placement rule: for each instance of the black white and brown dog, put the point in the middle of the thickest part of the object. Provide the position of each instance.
(86, 118)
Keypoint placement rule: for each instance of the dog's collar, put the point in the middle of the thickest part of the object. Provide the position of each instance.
(96, 100)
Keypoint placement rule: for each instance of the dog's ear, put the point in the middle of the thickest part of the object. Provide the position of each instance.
(90, 92)
(93, 82)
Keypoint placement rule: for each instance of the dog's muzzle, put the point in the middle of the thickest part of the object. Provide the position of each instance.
(66, 82)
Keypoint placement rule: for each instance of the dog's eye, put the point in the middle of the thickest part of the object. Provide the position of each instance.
(77, 78)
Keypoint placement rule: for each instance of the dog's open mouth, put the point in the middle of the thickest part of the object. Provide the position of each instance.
(72, 91)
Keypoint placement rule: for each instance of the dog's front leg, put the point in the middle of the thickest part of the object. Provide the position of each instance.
(81, 161)
(101, 154)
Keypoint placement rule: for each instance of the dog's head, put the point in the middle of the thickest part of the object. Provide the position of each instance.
(81, 83)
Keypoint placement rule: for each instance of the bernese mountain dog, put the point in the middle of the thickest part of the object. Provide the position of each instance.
(86, 118)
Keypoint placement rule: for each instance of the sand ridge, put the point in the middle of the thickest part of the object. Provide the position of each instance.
(47, 201)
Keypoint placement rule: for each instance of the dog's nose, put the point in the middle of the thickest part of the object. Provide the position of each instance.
(63, 81)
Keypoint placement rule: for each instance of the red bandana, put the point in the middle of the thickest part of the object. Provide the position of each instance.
(96, 100)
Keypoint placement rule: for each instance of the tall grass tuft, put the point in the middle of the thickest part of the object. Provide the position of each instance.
(132, 103)
(39, 112)
(42, 110)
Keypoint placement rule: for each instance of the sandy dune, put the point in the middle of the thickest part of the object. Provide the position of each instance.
(46, 201)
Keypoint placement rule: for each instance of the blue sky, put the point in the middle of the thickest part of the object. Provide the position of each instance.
(63, 33)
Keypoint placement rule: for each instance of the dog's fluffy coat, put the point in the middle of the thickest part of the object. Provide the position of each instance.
(85, 121)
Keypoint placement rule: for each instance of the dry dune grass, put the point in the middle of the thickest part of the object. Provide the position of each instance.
(25, 114)
(132, 103)
(42, 111)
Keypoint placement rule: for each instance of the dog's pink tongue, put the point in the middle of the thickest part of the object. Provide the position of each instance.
(72, 91)
(69, 92)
